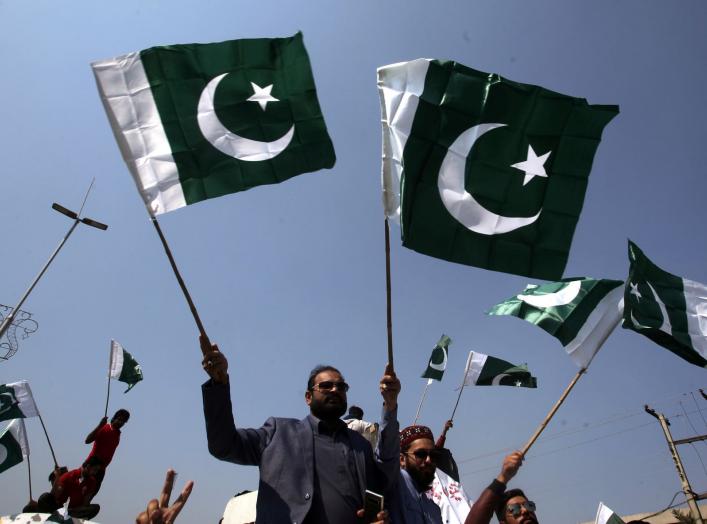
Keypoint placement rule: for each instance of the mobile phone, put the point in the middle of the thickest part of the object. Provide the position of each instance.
(372, 505)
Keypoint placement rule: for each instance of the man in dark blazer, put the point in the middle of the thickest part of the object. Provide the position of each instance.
(314, 470)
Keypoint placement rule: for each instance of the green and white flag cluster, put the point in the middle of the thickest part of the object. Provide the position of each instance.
(14, 447)
(438, 360)
(16, 401)
(123, 366)
(581, 313)
(198, 121)
(670, 310)
(484, 171)
(606, 516)
(484, 370)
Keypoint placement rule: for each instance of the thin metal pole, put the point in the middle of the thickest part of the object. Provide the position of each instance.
(419, 406)
(461, 388)
(552, 412)
(56, 464)
(29, 475)
(105, 413)
(685, 483)
(389, 308)
(11, 316)
(182, 285)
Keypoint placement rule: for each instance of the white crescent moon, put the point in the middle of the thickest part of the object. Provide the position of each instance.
(561, 297)
(460, 204)
(443, 365)
(228, 142)
(3, 453)
(665, 326)
(497, 379)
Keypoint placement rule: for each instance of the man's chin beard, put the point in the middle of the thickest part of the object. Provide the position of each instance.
(329, 411)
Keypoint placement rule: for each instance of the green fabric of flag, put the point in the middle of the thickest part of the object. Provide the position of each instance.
(13, 445)
(16, 401)
(670, 310)
(197, 121)
(123, 367)
(606, 516)
(438, 359)
(485, 370)
(491, 173)
(580, 313)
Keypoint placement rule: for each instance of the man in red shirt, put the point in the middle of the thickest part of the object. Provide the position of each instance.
(78, 486)
(105, 438)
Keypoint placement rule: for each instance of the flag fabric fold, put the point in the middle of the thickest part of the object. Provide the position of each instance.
(123, 367)
(484, 171)
(485, 370)
(14, 447)
(198, 121)
(438, 360)
(16, 401)
(580, 313)
(670, 310)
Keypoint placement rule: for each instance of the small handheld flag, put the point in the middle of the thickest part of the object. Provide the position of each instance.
(670, 310)
(581, 313)
(606, 516)
(16, 401)
(485, 370)
(123, 367)
(13, 445)
(438, 359)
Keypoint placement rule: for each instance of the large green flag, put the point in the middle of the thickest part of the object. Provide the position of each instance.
(482, 170)
(581, 313)
(438, 360)
(123, 367)
(13, 445)
(198, 121)
(485, 370)
(670, 310)
(16, 401)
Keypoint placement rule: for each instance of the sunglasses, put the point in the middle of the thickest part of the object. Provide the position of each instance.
(329, 385)
(514, 509)
(422, 454)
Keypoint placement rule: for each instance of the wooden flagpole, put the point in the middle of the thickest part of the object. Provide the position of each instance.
(110, 361)
(29, 475)
(389, 309)
(422, 400)
(182, 285)
(552, 412)
(461, 388)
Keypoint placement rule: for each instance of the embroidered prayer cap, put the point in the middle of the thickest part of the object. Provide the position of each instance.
(412, 433)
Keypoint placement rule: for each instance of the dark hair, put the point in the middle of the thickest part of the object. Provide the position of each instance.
(319, 369)
(356, 412)
(508, 495)
(123, 413)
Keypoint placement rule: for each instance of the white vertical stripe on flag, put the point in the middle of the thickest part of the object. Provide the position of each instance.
(116, 359)
(130, 105)
(696, 311)
(477, 364)
(24, 397)
(17, 428)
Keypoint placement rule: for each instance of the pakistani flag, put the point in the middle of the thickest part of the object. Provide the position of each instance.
(581, 313)
(198, 121)
(13, 445)
(670, 310)
(484, 370)
(606, 516)
(482, 170)
(438, 360)
(16, 401)
(123, 366)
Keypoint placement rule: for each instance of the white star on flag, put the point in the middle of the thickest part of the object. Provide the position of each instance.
(262, 95)
(533, 166)
(634, 291)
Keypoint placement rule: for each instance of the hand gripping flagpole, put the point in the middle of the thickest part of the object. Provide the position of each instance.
(389, 309)
(77, 219)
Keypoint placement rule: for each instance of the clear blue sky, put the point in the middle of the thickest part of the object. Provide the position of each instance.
(289, 276)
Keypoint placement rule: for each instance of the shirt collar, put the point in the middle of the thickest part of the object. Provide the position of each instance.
(320, 427)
